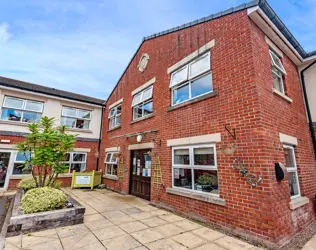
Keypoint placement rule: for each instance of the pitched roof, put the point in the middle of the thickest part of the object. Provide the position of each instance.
(263, 4)
(8, 82)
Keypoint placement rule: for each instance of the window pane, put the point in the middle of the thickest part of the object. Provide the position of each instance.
(137, 99)
(84, 114)
(114, 169)
(79, 167)
(180, 94)
(34, 106)
(148, 108)
(201, 86)
(119, 110)
(11, 114)
(294, 188)
(118, 121)
(21, 156)
(179, 76)
(79, 157)
(276, 61)
(108, 168)
(31, 117)
(289, 158)
(206, 181)
(68, 111)
(181, 157)
(204, 156)
(68, 122)
(82, 124)
(148, 93)
(114, 157)
(182, 178)
(200, 66)
(19, 168)
(112, 123)
(277, 81)
(137, 112)
(112, 112)
(108, 157)
(13, 103)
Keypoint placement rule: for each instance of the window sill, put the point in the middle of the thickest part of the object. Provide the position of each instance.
(20, 176)
(298, 202)
(143, 118)
(79, 130)
(111, 177)
(111, 129)
(198, 196)
(278, 93)
(24, 124)
(197, 99)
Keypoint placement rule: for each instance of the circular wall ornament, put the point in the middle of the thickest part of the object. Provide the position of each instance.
(143, 62)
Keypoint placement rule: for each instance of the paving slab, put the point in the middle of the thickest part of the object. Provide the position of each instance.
(233, 244)
(169, 230)
(208, 234)
(189, 240)
(167, 244)
(133, 226)
(109, 232)
(124, 242)
(154, 222)
(147, 235)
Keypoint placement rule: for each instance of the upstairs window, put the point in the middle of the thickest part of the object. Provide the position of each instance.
(111, 162)
(192, 80)
(75, 118)
(115, 117)
(278, 72)
(21, 110)
(143, 103)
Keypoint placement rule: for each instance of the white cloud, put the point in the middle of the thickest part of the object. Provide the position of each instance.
(5, 35)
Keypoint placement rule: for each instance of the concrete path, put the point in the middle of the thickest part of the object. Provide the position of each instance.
(311, 244)
(116, 222)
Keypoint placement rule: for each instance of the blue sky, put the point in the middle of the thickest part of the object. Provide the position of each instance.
(84, 45)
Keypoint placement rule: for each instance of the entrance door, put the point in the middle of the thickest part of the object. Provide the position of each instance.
(4, 167)
(140, 174)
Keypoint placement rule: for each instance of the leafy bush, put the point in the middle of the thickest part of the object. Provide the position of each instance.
(29, 183)
(207, 179)
(42, 199)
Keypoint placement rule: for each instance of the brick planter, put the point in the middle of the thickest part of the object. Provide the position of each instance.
(21, 223)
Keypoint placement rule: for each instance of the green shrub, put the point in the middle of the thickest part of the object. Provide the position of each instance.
(42, 199)
(29, 183)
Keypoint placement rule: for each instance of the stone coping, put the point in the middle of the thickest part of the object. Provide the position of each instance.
(20, 223)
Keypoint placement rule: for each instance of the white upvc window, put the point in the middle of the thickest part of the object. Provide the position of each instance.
(142, 103)
(21, 110)
(19, 166)
(111, 162)
(75, 118)
(192, 80)
(278, 72)
(76, 161)
(291, 167)
(115, 117)
(194, 168)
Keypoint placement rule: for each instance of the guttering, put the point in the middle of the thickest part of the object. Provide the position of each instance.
(311, 127)
(100, 137)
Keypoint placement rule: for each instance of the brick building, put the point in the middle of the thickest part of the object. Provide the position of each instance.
(197, 99)
(23, 102)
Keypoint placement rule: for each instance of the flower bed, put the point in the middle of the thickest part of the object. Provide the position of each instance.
(32, 222)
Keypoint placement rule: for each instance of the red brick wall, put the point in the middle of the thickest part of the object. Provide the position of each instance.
(91, 156)
(242, 76)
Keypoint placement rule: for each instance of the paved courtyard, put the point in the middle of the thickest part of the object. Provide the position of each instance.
(116, 222)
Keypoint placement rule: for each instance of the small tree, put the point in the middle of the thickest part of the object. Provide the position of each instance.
(47, 147)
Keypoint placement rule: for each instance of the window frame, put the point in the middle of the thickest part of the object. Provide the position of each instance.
(143, 102)
(110, 162)
(293, 170)
(15, 161)
(277, 70)
(189, 80)
(71, 161)
(194, 167)
(23, 108)
(115, 116)
(75, 117)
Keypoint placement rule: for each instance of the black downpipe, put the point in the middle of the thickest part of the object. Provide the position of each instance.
(100, 136)
(311, 127)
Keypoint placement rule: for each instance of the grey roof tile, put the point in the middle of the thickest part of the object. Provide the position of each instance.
(12, 83)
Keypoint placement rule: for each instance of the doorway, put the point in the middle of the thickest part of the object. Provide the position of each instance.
(140, 173)
(4, 168)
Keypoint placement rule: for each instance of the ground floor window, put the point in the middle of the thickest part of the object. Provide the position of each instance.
(111, 161)
(290, 163)
(195, 168)
(19, 166)
(76, 161)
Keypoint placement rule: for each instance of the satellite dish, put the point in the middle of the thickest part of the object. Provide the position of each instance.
(280, 171)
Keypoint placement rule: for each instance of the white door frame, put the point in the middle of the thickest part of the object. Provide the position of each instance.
(10, 167)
